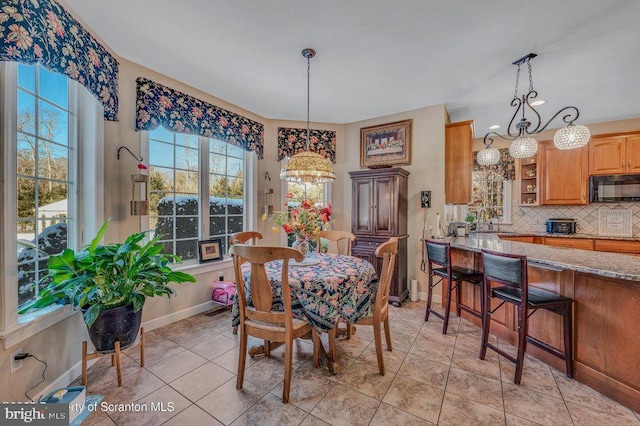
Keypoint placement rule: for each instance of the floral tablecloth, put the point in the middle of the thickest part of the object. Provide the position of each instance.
(338, 287)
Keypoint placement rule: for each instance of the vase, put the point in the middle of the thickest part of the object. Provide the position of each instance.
(117, 324)
(302, 245)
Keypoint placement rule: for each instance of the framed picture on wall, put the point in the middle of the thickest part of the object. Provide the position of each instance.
(386, 145)
(210, 250)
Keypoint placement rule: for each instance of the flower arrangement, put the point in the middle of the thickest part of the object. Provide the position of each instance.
(305, 219)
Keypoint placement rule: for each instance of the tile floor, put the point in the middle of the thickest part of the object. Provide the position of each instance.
(431, 379)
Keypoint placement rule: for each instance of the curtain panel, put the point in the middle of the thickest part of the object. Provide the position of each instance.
(506, 167)
(291, 141)
(42, 31)
(160, 105)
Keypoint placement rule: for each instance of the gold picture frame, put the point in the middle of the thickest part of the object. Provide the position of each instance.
(386, 145)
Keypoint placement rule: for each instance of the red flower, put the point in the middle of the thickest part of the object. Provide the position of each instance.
(288, 195)
(287, 228)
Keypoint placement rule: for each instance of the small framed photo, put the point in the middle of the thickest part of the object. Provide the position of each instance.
(386, 145)
(210, 250)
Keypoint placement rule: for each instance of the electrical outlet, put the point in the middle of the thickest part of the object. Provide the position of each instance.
(221, 277)
(16, 364)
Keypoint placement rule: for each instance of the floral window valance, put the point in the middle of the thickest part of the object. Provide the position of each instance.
(292, 141)
(506, 167)
(160, 105)
(42, 31)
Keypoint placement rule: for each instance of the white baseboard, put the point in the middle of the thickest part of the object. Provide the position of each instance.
(63, 380)
(177, 316)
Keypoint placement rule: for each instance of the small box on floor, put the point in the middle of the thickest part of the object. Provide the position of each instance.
(223, 292)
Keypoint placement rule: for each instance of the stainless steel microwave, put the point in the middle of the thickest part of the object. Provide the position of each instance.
(613, 189)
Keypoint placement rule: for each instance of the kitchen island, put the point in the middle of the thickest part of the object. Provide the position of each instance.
(605, 288)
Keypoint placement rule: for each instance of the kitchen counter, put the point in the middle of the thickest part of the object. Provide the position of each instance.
(546, 234)
(611, 265)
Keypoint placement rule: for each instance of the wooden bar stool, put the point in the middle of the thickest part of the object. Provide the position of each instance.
(511, 271)
(115, 358)
(439, 253)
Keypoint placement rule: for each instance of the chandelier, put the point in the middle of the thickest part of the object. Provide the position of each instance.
(307, 166)
(523, 145)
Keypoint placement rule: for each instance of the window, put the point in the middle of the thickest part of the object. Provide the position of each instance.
(45, 159)
(295, 193)
(185, 169)
(51, 130)
(490, 197)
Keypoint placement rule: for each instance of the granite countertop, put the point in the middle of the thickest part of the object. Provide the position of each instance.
(612, 265)
(578, 236)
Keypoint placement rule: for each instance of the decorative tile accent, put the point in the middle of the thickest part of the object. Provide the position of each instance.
(615, 222)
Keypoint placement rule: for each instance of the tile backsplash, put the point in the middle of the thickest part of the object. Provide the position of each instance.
(532, 219)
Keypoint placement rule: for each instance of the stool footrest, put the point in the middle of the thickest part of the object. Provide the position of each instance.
(545, 347)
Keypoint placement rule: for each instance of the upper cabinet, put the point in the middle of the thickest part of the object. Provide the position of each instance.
(614, 155)
(564, 174)
(458, 162)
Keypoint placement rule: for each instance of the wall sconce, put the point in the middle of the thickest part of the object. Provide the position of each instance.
(139, 204)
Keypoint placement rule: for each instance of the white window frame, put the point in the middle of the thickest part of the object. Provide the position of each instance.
(250, 191)
(327, 196)
(86, 139)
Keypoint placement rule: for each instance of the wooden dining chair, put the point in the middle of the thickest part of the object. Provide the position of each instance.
(242, 238)
(260, 320)
(339, 241)
(380, 311)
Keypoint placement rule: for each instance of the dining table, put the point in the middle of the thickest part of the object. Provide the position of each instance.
(325, 288)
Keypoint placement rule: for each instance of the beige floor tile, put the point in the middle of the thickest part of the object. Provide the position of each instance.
(227, 403)
(104, 422)
(186, 333)
(221, 325)
(576, 392)
(364, 332)
(390, 415)
(267, 373)
(307, 389)
(102, 375)
(534, 406)
(302, 351)
(414, 315)
(271, 411)
(313, 421)
(424, 348)
(157, 348)
(536, 376)
(458, 411)
(582, 415)
(161, 406)
(344, 406)
(480, 389)
(214, 347)
(403, 326)
(176, 366)
(519, 421)
(434, 334)
(201, 381)
(366, 378)
(415, 397)
(401, 341)
(468, 342)
(432, 373)
(469, 361)
(193, 416)
(229, 360)
(343, 363)
(96, 417)
(392, 360)
(134, 387)
(353, 347)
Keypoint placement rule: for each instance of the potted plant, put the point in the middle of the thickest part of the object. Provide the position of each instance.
(110, 284)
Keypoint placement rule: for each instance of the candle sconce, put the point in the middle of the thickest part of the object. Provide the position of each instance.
(139, 204)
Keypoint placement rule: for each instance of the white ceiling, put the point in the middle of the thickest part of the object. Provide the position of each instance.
(379, 57)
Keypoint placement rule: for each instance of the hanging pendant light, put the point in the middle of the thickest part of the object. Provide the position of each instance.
(488, 156)
(307, 166)
(523, 145)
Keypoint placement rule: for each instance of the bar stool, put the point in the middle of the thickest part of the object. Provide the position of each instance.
(439, 253)
(511, 271)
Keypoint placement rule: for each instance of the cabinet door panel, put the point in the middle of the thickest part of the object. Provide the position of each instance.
(362, 205)
(384, 206)
(618, 246)
(607, 156)
(633, 154)
(458, 162)
(576, 243)
(565, 175)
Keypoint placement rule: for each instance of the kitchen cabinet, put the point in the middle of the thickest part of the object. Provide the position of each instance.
(617, 246)
(564, 174)
(379, 211)
(458, 162)
(520, 239)
(577, 243)
(614, 155)
(529, 185)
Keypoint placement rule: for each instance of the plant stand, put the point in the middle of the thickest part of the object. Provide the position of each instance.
(115, 358)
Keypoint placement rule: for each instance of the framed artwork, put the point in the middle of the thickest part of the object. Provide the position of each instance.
(210, 250)
(386, 145)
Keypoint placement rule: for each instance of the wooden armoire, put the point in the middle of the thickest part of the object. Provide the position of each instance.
(379, 200)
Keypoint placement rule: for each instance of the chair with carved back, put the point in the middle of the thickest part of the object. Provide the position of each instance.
(260, 320)
(380, 311)
(242, 238)
(339, 241)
